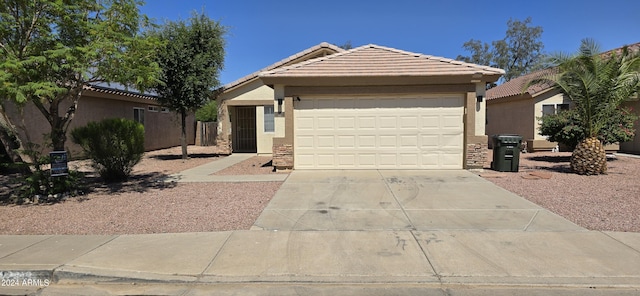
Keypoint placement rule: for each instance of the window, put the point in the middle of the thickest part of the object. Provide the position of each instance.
(562, 107)
(152, 108)
(269, 126)
(554, 109)
(548, 110)
(138, 115)
(165, 110)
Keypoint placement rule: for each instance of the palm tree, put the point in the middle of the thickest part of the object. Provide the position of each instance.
(597, 84)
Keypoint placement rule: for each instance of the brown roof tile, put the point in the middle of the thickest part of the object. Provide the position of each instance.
(323, 47)
(516, 86)
(373, 60)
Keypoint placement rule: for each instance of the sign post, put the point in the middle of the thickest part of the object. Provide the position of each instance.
(59, 166)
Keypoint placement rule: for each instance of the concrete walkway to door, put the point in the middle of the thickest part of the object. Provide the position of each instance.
(402, 200)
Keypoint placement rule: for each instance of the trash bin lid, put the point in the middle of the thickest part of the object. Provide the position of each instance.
(507, 138)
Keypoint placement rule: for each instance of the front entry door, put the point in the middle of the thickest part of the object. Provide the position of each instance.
(244, 130)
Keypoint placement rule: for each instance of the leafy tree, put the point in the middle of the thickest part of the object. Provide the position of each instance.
(208, 112)
(346, 46)
(597, 84)
(191, 60)
(518, 53)
(49, 50)
(565, 127)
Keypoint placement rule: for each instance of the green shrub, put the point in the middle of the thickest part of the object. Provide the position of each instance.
(565, 128)
(208, 112)
(115, 145)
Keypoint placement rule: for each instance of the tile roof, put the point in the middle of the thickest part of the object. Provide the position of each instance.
(516, 86)
(322, 47)
(374, 60)
(118, 92)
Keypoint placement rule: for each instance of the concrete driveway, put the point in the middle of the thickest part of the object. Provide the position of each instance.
(402, 200)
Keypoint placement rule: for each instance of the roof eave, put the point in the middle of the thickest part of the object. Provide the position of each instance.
(352, 80)
(322, 48)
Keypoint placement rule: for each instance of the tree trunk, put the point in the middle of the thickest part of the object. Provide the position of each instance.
(183, 136)
(589, 158)
(58, 135)
(13, 147)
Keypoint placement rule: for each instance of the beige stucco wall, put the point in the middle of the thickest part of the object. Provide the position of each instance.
(514, 116)
(254, 90)
(549, 98)
(162, 130)
(633, 146)
(253, 93)
(264, 139)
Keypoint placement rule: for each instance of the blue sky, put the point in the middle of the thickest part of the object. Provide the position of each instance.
(262, 32)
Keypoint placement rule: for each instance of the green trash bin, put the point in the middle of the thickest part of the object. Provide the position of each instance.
(506, 153)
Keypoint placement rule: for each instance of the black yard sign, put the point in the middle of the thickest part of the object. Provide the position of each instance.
(59, 165)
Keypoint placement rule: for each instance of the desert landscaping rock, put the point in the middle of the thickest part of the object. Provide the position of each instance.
(603, 202)
(144, 205)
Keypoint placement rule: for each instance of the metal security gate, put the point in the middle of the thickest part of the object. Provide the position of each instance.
(244, 130)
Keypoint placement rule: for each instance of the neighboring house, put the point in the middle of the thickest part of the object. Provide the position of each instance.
(512, 109)
(375, 107)
(246, 107)
(161, 126)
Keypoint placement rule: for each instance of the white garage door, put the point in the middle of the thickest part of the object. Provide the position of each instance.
(379, 133)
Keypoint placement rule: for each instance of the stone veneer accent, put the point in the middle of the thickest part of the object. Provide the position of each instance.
(283, 156)
(223, 146)
(476, 155)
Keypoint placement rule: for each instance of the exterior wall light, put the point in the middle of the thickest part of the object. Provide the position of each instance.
(280, 105)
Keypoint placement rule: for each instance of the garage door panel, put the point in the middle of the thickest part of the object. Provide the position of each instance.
(325, 123)
(366, 141)
(387, 159)
(451, 121)
(387, 141)
(367, 160)
(305, 123)
(324, 141)
(383, 133)
(409, 122)
(348, 142)
(306, 142)
(409, 141)
(346, 159)
(325, 159)
(450, 141)
(430, 122)
(366, 122)
(429, 141)
(387, 122)
(408, 160)
(346, 122)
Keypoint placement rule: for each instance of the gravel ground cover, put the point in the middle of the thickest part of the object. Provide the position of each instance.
(608, 202)
(144, 204)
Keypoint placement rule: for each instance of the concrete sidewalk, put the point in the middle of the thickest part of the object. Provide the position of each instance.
(204, 173)
(438, 260)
